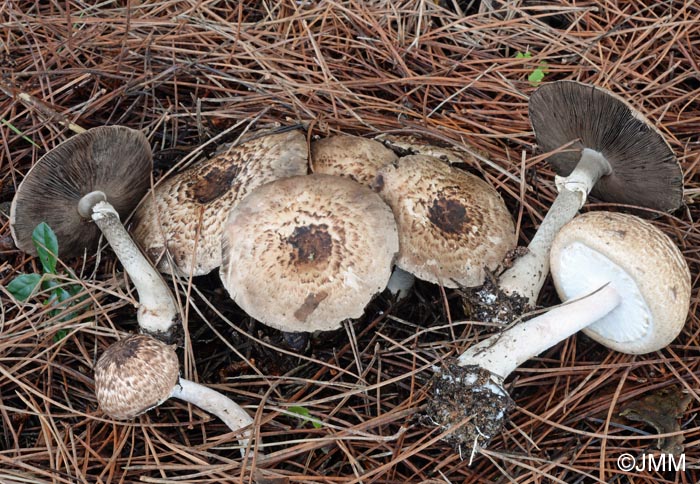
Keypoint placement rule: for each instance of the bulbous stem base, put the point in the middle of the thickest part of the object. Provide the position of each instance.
(471, 403)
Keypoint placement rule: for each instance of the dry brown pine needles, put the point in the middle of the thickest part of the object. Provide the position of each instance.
(185, 71)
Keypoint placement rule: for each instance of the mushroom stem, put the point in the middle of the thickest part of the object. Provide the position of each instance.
(502, 353)
(527, 275)
(400, 283)
(157, 311)
(217, 404)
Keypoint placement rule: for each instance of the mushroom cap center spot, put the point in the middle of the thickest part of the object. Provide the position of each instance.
(311, 245)
(449, 215)
(213, 183)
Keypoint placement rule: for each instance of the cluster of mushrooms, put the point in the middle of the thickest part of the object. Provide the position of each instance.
(372, 215)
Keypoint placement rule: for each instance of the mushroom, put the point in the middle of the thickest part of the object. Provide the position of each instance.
(139, 373)
(625, 284)
(98, 175)
(186, 213)
(452, 224)
(426, 196)
(358, 159)
(305, 253)
(615, 154)
(351, 156)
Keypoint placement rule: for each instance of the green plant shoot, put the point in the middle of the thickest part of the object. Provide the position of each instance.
(24, 286)
(304, 415)
(536, 76)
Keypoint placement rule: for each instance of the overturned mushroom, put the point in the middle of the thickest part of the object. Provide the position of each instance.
(139, 373)
(180, 224)
(306, 253)
(97, 176)
(625, 284)
(617, 155)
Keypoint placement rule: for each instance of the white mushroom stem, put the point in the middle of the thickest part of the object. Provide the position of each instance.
(400, 283)
(527, 275)
(502, 353)
(217, 404)
(157, 311)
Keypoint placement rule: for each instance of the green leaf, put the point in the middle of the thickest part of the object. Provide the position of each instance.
(75, 289)
(526, 55)
(46, 246)
(305, 415)
(60, 334)
(23, 286)
(61, 294)
(537, 75)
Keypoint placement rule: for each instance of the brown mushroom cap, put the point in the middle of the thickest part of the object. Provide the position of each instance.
(306, 253)
(351, 156)
(451, 223)
(652, 263)
(171, 216)
(113, 159)
(134, 375)
(645, 171)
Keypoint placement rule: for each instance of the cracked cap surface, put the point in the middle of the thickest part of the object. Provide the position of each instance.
(452, 224)
(351, 156)
(170, 217)
(306, 253)
(134, 375)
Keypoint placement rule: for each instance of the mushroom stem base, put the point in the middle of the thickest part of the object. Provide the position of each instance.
(217, 404)
(488, 303)
(471, 403)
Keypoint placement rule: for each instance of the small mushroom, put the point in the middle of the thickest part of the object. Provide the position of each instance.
(139, 373)
(98, 175)
(351, 156)
(308, 252)
(617, 155)
(452, 224)
(185, 214)
(625, 284)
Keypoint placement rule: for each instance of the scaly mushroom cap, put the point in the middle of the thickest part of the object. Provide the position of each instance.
(113, 159)
(306, 253)
(645, 267)
(405, 145)
(134, 375)
(451, 223)
(186, 213)
(351, 156)
(645, 171)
